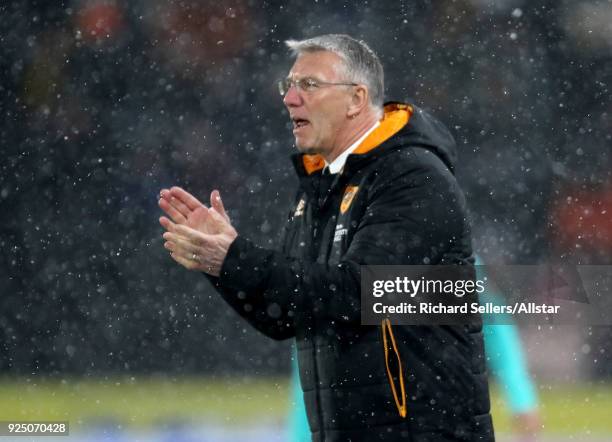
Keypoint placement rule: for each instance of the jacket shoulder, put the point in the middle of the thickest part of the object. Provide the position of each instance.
(405, 159)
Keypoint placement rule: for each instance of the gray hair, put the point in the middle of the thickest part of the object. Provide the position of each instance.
(361, 64)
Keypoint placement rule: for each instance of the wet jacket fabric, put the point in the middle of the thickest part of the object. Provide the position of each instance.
(396, 202)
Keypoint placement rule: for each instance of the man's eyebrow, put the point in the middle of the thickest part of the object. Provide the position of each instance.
(306, 77)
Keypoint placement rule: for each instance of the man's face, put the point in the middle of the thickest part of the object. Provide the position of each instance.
(320, 115)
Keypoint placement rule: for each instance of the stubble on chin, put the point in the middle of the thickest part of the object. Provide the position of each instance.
(308, 150)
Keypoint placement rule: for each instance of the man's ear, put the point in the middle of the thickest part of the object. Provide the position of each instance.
(359, 101)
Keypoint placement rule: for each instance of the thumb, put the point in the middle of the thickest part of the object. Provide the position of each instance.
(217, 204)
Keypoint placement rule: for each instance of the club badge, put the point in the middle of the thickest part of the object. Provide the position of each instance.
(347, 199)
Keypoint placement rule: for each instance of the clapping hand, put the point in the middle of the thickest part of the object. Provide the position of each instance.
(198, 237)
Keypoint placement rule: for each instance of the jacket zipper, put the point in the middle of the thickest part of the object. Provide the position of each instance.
(314, 221)
(391, 346)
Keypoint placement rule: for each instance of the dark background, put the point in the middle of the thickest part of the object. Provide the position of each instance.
(104, 103)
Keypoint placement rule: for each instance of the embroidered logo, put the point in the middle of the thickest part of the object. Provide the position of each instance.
(347, 199)
(299, 210)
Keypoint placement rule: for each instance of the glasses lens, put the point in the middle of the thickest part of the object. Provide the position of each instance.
(309, 84)
(283, 86)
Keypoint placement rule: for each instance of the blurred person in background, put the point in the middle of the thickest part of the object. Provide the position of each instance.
(373, 179)
(506, 359)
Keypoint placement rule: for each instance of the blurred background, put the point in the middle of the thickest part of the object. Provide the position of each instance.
(103, 103)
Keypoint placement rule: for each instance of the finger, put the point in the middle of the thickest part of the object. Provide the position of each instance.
(180, 207)
(169, 236)
(165, 194)
(182, 247)
(171, 211)
(186, 198)
(167, 224)
(199, 259)
(187, 263)
(217, 203)
(175, 203)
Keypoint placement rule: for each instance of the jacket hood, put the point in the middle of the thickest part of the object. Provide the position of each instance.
(424, 130)
(402, 126)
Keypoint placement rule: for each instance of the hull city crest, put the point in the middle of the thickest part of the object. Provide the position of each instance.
(347, 199)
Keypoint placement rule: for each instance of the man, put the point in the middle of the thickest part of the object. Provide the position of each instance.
(376, 187)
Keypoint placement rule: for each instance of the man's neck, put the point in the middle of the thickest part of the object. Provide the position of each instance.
(355, 132)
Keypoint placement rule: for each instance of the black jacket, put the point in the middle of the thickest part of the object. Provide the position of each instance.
(395, 202)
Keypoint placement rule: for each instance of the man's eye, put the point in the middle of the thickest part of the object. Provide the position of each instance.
(309, 83)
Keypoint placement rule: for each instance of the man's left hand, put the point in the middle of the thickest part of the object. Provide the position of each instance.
(204, 247)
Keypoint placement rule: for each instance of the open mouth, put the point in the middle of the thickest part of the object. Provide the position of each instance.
(299, 123)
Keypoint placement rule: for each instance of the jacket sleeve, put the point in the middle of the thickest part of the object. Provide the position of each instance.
(257, 304)
(411, 217)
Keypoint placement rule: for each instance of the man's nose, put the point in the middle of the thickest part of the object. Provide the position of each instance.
(292, 97)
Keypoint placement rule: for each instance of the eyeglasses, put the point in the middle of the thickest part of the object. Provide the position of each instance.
(307, 84)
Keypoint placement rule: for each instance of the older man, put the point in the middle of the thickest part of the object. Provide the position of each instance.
(376, 187)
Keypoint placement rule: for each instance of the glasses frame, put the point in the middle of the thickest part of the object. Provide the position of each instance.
(300, 84)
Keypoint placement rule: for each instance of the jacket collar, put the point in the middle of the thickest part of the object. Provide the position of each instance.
(396, 116)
